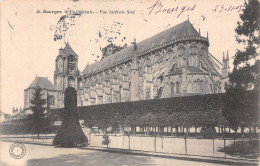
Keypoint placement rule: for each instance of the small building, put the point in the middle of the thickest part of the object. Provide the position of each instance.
(49, 92)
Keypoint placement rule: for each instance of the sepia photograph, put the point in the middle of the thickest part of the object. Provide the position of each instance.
(129, 82)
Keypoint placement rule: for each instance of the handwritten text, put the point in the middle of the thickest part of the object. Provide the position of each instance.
(223, 8)
(158, 7)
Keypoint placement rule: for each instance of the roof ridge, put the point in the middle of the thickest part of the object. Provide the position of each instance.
(43, 82)
(184, 28)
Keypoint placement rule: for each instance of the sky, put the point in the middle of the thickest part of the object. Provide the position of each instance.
(31, 38)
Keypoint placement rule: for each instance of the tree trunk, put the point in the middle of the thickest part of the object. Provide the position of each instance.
(162, 141)
(176, 131)
(123, 140)
(250, 136)
(229, 129)
(154, 142)
(129, 142)
(171, 131)
(213, 144)
(223, 131)
(242, 131)
(89, 135)
(185, 141)
(235, 140)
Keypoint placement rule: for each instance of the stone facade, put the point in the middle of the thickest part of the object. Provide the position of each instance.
(175, 62)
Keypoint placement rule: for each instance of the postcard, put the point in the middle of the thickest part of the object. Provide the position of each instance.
(130, 82)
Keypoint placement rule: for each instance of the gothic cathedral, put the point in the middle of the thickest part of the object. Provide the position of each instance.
(175, 62)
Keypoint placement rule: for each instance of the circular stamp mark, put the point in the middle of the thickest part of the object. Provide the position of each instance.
(17, 150)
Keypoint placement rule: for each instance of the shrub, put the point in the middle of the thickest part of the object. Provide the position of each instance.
(247, 149)
(106, 140)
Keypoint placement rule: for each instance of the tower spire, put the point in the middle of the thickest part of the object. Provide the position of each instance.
(227, 55)
(223, 56)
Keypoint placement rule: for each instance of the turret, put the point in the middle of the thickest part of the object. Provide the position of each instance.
(61, 51)
(224, 71)
(110, 50)
(134, 89)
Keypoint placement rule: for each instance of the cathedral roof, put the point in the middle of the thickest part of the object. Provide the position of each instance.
(68, 50)
(181, 30)
(43, 82)
(193, 69)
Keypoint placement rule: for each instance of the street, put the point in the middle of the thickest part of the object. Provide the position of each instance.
(50, 155)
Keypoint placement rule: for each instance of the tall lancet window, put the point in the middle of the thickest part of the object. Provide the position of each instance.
(52, 100)
(71, 64)
(178, 87)
(71, 82)
(172, 87)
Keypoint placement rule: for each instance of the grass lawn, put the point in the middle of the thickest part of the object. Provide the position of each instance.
(244, 149)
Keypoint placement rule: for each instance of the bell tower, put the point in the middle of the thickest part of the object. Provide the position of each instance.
(66, 69)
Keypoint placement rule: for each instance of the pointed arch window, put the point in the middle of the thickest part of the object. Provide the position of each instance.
(172, 87)
(190, 60)
(181, 49)
(148, 92)
(169, 54)
(189, 88)
(193, 60)
(178, 87)
(71, 82)
(52, 100)
(179, 61)
(61, 96)
(201, 86)
(196, 86)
